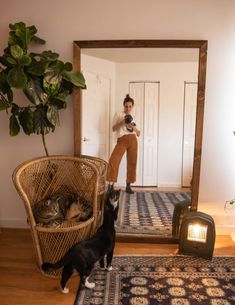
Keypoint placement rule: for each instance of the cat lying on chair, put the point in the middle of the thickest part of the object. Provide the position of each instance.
(83, 255)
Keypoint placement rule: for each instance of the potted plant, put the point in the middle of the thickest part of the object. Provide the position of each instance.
(44, 79)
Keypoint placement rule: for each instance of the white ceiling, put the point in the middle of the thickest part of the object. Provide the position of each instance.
(121, 55)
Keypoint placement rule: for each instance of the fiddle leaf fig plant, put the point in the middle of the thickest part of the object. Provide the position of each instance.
(44, 79)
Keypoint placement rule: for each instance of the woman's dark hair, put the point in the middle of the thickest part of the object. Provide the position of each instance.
(128, 99)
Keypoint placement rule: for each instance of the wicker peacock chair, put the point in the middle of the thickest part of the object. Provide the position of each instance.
(102, 170)
(42, 177)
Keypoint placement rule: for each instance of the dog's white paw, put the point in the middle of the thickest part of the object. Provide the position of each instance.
(109, 268)
(65, 290)
(89, 285)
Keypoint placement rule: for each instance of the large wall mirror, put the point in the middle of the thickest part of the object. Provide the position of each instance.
(166, 78)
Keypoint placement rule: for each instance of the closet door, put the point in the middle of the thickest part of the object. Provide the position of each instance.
(190, 103)
(150, 134)
(146, 95)
(136, 91)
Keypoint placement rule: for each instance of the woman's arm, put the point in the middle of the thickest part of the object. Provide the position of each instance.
(137, 131)
(118, 125)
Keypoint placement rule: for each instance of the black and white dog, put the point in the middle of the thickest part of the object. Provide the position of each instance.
(83, 255)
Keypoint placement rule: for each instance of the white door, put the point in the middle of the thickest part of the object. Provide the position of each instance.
(136, 91)
(150, 132)
(146, 97)
(190, 102)
(95, 116)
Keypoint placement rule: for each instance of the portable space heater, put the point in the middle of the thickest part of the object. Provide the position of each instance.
(197, 235)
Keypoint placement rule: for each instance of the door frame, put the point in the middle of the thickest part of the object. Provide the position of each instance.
(182, 171)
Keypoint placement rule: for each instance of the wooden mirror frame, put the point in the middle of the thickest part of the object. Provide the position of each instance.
(201, 45)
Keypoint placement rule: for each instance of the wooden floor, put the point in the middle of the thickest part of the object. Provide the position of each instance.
(22, 284)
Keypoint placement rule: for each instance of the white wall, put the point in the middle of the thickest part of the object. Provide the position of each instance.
(99, 66)
(61, 22)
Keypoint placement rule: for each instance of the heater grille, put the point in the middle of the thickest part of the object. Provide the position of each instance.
(197, 233)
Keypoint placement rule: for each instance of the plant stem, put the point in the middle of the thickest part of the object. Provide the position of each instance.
(44, 144)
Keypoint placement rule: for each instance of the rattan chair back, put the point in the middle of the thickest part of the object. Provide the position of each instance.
(101, 166)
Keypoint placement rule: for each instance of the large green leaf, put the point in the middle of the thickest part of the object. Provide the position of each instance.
(25, 34)
(62, 96)
(46, 55)
(76, 78)
(26, 120)
(33, 30)
(16, 78)
(10, 95)
(12, 61)
(53, 115)
(22, 35)
(35, 93)
(13, 39)
(17, 34)
(3, 104)
(41, 124)
(16, 51)
(4, 86)
(25, 60)
(3, 60)
(17, 25)
(52, 81)
(57, 65)
(59, 103)
(38, 40)
(37, 68)
(68, 66)
(14, 126)
(15, 109)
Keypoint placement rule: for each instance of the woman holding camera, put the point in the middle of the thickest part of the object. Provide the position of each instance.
(126, 130)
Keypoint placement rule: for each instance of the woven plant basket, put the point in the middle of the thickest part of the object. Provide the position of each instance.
(40, 178)
(101, 166)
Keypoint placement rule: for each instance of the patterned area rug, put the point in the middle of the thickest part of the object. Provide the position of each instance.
(148, 212)
(166, 280)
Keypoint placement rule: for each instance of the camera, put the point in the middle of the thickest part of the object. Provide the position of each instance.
(129, 120)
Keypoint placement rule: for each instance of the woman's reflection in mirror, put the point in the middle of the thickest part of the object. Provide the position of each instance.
(127, 132)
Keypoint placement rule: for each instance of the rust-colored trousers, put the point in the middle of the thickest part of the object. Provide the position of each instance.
(128, 144)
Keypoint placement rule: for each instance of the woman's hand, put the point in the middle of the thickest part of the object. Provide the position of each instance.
(133, 127)
(130, 126)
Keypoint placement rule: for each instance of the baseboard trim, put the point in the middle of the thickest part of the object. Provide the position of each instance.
(14, 223)
(224, 230)
(22, 224)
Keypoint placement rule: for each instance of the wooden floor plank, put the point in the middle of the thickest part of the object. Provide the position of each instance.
(22, 284)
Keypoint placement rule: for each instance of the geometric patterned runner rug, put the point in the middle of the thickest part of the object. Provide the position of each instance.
(148, 212)
(165, 280)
